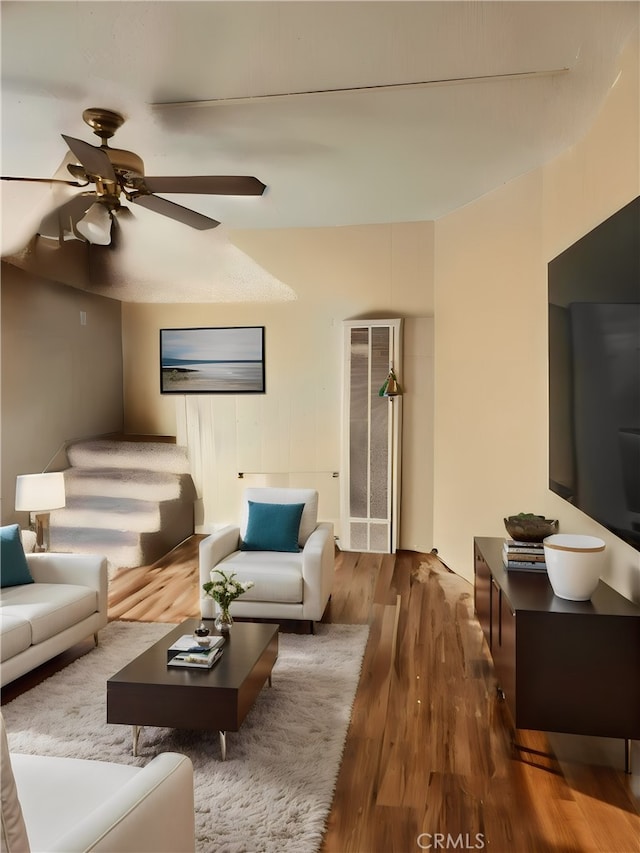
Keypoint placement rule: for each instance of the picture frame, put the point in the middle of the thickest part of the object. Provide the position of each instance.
(212, 360)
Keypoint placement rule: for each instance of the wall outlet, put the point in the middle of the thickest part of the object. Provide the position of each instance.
(83, 318)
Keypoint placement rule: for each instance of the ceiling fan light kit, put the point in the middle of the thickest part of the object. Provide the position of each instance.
(95, 225)
(115, 172)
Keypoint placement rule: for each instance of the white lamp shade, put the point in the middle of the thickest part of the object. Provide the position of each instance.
(40, 492)
(95, 225)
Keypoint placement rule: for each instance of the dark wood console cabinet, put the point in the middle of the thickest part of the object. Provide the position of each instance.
(562, 666)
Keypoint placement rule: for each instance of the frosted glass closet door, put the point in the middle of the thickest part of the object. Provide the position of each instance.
(371, 438)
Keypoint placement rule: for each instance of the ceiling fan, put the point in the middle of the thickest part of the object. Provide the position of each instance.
(115, 172)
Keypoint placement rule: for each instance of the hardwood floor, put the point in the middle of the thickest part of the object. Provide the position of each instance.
(429, 760)
(429, 748)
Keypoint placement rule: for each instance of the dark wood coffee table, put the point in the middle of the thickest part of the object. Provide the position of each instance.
(147, 692)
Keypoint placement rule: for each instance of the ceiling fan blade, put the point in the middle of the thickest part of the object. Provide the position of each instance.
(207, 185)
(94, 160)
(59, 220)
(44, 181)
(174, 211)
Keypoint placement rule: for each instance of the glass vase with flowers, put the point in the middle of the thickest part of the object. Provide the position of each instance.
(224, 588)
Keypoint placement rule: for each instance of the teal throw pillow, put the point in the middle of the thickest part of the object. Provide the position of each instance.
(272, 527)
(14, 569)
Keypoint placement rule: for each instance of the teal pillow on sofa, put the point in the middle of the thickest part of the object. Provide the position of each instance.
(14, 570)
(272, 527)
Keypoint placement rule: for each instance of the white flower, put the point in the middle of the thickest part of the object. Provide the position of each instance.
(226, 588)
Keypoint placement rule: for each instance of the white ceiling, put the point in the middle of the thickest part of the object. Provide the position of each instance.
(389, 152)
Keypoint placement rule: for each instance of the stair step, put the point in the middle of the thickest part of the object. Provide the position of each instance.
(148, 455)
(128, 482)
(123, 549)
(108, 513)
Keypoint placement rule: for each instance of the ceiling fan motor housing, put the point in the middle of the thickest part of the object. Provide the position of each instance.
(127, 165)
(104, 123)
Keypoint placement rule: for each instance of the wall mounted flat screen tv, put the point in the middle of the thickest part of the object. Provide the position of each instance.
(594, 374)
(217, 360)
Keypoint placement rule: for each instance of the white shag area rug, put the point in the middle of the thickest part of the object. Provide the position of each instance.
(274, 791)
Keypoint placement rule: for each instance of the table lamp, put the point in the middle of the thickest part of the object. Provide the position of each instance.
(39, 493)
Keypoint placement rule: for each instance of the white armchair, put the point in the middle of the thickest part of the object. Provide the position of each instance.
(73, 805)
(290, 584)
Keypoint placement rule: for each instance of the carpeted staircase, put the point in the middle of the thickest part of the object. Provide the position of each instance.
(130, 500)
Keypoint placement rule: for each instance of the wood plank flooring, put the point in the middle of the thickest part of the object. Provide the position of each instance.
(431, 760)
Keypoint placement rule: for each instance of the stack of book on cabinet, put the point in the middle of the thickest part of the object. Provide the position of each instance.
(525, 556)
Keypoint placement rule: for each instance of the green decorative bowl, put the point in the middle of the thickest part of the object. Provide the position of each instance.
(527, 527)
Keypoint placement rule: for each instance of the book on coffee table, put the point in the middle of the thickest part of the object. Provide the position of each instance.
(202, 659)
(188, 643)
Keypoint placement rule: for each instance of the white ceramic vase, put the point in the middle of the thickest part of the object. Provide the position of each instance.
(574, 564)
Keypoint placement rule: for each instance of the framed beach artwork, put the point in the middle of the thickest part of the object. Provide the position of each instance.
(223, 360)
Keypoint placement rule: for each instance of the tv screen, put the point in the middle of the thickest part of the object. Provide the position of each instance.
(594, 374)
(222, 360)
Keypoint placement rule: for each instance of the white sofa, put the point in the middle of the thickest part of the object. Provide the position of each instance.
(66, 604)
(69, 804)
(287, 584)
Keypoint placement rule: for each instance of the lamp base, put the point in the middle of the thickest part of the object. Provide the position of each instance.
(42, 531)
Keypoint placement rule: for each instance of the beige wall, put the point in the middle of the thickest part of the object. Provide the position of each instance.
(337, 274)
(491, 346)
(60, 380)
